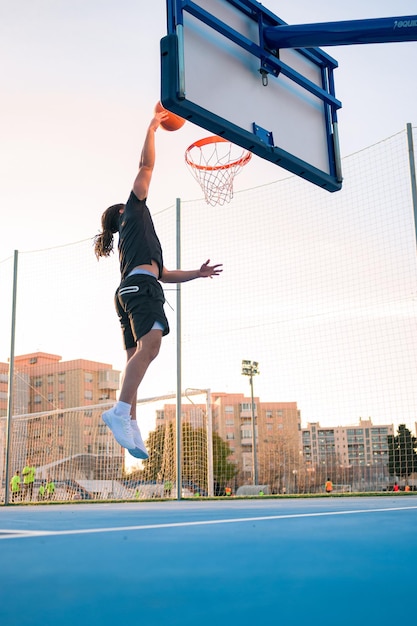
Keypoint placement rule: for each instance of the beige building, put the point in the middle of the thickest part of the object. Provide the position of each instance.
(278, 429)
(351, 454)
(55, 413)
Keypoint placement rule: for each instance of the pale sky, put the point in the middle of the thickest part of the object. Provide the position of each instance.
(80, 79)
(79, 82)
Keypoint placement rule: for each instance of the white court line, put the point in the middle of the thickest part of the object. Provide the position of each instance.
(22, 534)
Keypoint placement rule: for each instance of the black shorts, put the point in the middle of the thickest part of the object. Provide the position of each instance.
(139, 302)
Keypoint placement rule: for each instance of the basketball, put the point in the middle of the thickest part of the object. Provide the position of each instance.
(173, 121)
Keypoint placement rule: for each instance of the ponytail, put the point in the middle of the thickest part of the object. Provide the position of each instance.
(103, 242)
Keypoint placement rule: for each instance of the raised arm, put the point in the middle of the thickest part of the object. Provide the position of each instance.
(183, 276)
(147, 159)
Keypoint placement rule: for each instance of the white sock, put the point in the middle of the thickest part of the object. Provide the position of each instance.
(122, 408)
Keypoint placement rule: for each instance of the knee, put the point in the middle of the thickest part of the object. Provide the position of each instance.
(153, 351)
(150, 348)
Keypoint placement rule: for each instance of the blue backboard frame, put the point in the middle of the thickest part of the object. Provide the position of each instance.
(257, 139)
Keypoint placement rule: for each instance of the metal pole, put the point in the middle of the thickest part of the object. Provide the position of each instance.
(412, 173)
(346, 33)
(11, 379)
(210, 470)
(179, 384)
(254, 458)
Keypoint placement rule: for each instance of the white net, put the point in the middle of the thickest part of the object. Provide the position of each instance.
(214, 163)
(319, 288)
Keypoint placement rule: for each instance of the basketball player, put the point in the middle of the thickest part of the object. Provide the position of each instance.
(139, 298)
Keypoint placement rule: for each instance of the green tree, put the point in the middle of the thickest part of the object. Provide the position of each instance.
(161, 445)
(402, 460)
(155, 445)
(223, 469)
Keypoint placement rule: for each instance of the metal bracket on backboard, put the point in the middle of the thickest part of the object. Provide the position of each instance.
(268, 68)
(264, 135)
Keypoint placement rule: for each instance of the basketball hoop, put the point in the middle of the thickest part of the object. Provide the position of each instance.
(214, 162)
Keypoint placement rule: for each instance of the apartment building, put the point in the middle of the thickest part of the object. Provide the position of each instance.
(349, 454)
(52, 420)
(277, 431)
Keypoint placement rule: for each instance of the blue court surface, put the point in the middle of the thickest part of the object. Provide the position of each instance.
(328, 561)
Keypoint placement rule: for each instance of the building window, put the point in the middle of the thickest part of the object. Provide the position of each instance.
(88, 394)
(88, 377)
(230, 435)
(37, 399)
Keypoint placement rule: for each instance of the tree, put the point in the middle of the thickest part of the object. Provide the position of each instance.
(223, 470)
(402, 460)
(161, 445)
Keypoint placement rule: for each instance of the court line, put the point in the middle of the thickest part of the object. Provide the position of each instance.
(23, 534)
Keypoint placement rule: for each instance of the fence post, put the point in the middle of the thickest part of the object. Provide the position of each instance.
(179, 383)
(10, 391)
(412, 173)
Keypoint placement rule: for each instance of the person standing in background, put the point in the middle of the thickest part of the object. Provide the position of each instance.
(28, 474)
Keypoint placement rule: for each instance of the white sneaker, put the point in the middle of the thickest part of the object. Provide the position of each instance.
(139, 450)
(120, 425)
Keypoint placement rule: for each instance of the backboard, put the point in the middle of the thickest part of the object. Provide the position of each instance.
(217, 72)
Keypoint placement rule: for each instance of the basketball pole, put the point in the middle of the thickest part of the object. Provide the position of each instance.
(345, 33)
(413, 182)
(11, 381)
(179, 362)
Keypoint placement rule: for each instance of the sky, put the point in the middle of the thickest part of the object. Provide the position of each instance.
(79, 81)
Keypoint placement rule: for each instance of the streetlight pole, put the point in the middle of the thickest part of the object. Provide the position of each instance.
(251, 368)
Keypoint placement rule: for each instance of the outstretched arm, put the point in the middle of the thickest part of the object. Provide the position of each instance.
(183, 276)
(147, 159)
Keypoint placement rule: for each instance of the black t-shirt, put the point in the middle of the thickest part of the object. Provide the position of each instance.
(138, 241)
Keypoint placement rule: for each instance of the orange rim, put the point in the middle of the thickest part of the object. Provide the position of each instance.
(215, 139)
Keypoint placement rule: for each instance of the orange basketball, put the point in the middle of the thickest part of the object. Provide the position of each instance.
(172, 122)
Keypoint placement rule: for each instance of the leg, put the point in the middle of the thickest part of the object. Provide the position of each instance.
(132, 312)
(146, 351)
(124, 426)
(129, 353)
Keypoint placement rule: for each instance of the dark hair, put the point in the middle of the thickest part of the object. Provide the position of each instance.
(103, 242)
